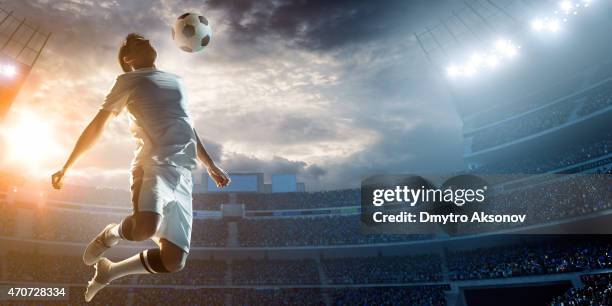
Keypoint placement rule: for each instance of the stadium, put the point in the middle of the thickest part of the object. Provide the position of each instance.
(542, 125)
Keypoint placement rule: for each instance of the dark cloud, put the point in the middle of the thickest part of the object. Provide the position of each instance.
(321, 24)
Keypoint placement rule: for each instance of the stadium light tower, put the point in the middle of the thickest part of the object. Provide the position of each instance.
(19, 51)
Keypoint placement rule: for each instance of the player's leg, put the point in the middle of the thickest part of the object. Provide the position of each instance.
(157, 184)
(167, 259)
(140, 225)
(173, 257)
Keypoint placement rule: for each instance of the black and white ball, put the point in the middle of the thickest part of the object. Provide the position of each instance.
(191, 32)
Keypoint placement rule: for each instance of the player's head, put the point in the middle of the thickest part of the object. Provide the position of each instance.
(136, 52)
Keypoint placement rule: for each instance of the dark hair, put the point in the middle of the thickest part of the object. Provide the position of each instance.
(123, 50)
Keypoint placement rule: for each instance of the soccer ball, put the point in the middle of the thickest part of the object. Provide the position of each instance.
(191, 32)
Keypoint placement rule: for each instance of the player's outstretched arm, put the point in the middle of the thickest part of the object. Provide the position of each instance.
(217, 174)
(89, 136)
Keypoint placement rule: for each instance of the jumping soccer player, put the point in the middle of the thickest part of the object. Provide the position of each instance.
(167, 150)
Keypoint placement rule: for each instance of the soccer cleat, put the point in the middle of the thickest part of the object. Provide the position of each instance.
(96, 248)
(100, 279)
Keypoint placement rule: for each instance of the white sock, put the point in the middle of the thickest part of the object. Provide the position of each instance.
(112, 235)
(132, 265)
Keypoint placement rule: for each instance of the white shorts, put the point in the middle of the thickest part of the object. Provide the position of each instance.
(165, 190)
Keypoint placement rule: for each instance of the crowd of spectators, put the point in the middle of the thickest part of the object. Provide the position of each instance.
(526, 125)
(7, 219)
(558, 198)
(80, 226)
(73, 296)
(304, 231)
(37, 267)
(519, 259)
(90, 195)
(176, 296)
(580, 81)
(379, 270)
(196, 272)
(209, 201)
(294, 296)
(543, 119)
(209, 233)
(420, 295)
(70, 225)
(213, 201)
(537, 257)
(553, 160)
(599, 100)
(568, 255)
(300, 200)
(596, 290)
(275, 272)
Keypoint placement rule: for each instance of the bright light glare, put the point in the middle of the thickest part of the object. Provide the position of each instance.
(452, 71)
(29, 139)
(8, 70)
(469, 70)
(566, 5)
(501, 44)
(553, 25)
(505, 47)
(537, 24)
(492, 61)
(476, 59)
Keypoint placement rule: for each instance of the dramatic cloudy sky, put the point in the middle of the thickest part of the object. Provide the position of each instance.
(332, 90)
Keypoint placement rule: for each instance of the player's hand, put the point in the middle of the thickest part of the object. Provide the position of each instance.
(219, 176)
(56, 179)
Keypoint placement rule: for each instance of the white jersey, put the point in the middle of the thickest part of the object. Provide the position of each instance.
(159, 120)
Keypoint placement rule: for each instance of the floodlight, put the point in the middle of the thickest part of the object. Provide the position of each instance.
(566, 5)
(452, 71)
(501, 44)
(469, 70)
(476, 59)
(505, 47)
(553, 25)
(492, 61)
(537, 24)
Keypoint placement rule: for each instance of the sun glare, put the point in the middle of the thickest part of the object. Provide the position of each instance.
(28, 140)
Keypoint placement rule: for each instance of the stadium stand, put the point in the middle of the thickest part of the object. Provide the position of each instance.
(555, 160)
(430, 295)
(325, 230)
(545, 118)
(530, 259)
(597, 290)
(300, 200)
(557, 198)
(391, 269)
(294, 296)
(276, 272)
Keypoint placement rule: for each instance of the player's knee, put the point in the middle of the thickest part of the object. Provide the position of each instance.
(176, 264)
(173, 257)
(146, 225)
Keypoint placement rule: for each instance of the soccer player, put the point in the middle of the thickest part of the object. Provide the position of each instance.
(168, 148)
